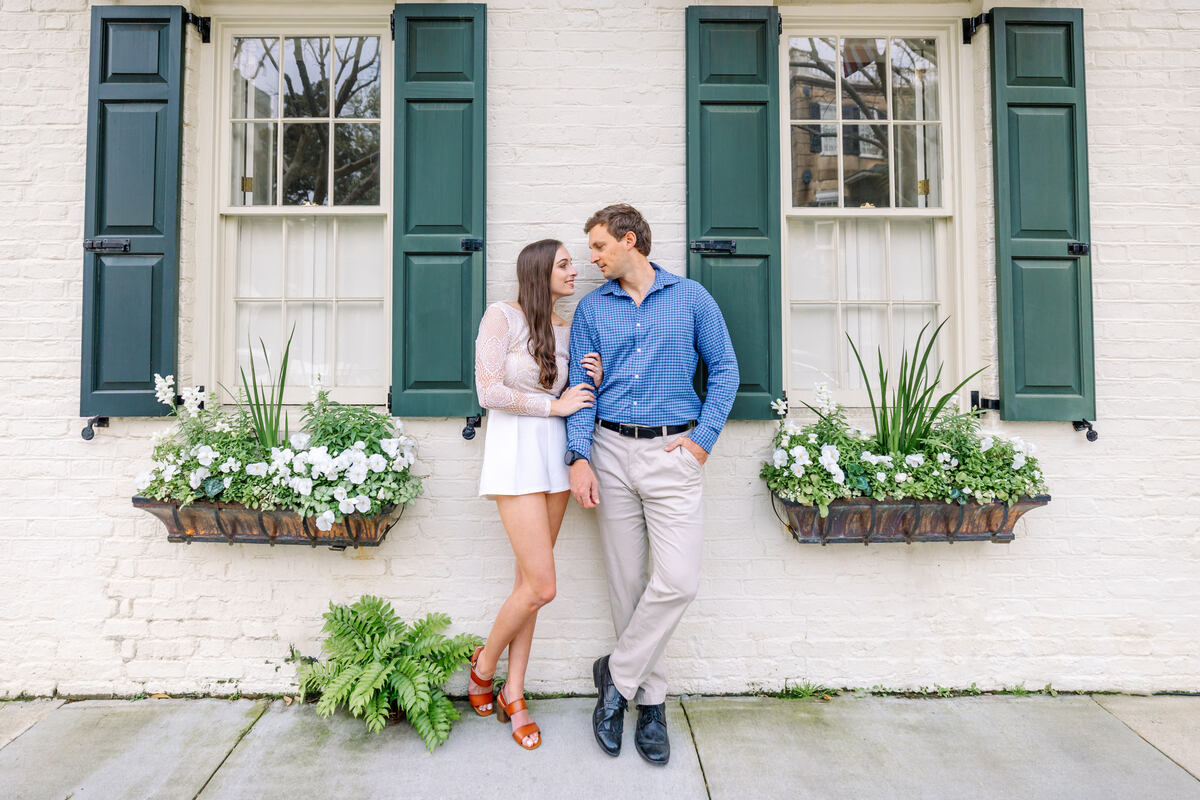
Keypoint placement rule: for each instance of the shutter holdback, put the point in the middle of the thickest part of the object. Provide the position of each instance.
(1083, 425)
(970, 25)
(89, 433)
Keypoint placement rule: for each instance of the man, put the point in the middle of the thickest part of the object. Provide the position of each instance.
(637, 458)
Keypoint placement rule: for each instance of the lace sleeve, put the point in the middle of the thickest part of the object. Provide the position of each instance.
(491, 351)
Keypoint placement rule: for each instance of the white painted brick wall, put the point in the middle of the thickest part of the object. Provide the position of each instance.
(1099, 591)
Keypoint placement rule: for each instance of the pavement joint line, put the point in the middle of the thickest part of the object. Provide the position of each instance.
(262, 710)
(1143, 738)
(696, 747)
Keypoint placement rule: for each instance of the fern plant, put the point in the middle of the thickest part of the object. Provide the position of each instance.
(378, 662)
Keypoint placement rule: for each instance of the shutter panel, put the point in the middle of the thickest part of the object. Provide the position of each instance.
(733, 186)
(1044, 303)
(135, 92)
(438, 281)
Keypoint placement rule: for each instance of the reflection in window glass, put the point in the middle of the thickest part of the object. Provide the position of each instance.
(356, 77)
(306, 77)
(865, 170)
(305, 164)
(918, 166)
(864, 76)
(253, 173)
(915, 78)
(356, 164)
(813, 70)
(255, 78)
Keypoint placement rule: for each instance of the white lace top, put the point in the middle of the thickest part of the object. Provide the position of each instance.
(506, 375)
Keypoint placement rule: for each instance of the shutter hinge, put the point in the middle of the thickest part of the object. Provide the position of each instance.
(95, 422)
(713, 246)
(984, 403)
(972, 24)
(203, 24)
(1079, 248)
(392, 26)
(470, 245)
(472, 423)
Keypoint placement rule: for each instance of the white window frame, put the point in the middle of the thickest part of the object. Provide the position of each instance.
(957, 248)
(215, 350)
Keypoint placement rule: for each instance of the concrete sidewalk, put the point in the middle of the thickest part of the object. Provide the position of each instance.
(860, 747)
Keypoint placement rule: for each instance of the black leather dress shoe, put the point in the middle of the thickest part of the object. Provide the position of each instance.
(608, 720)
(650, 738)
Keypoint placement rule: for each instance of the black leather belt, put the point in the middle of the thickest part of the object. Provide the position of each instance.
(645, 431)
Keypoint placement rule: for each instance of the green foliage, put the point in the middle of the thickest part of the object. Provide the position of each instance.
(266, 407)
(905, 418)
(376, 662)
(803, 691)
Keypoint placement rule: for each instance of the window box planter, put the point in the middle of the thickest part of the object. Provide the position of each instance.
(237, 524)
(864, 520)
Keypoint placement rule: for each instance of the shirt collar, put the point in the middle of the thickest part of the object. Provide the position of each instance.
(661, 278)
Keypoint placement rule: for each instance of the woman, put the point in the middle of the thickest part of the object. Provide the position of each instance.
(520, 373)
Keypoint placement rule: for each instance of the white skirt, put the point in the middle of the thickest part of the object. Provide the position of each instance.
(523, 455)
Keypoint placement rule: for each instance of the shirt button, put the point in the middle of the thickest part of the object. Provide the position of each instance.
(639, 324)
(639, 349)
(635, 402)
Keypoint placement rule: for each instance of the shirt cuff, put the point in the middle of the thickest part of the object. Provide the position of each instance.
(584, 448)
(705, 436)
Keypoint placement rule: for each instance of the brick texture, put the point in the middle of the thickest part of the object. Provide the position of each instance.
(1098, 591)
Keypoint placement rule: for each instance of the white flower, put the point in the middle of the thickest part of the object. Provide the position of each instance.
(798, 470)
(360, 445)
(966, 490)
(812, 438)
(390, 446)
(302, 485)
(839, 477)
(258, 468)
(377, 463)
(870, 457)
(791, 426)
(357, 473)
(858, 433)
(300, 465)
(943, 458)
(362, 503)
(801, 456)
(228, 481)
(325, 521)
(954, 462)
(197, 477)
(403, 461)
(780, 407)
(221, 426)
(158, 437)
(169, 472)
(339, 493)
(206, 455)
(398, 425)
(164, 389)
(382, 493)
(143, 480)
(231, 464)
(314, 389)
(824, 398)
(299, 441)
(986, 444)
(914, 460)
(901, 477)
(830, 451)
(346, 506)
(779, 457)
(885, 460)
(881, 476)
(1018, 460)
(193, 398)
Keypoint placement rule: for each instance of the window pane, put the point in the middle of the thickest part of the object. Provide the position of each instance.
(915, 78)
(253, 172)
(255, 78)
(814, 171)
(255, 322)
(259, 257)
(914, 260)
(356, 76)
(309, 261)
(868, 328)
(812, 259)
(864, 78)
(306, 77)
(813, 63)
(305, 164)
(907, 322)
(361, 345)
(813, 346)
(866, 167)
(356, 164)
(310, 342)
(918, 166)
(865, 259)
(360, 257)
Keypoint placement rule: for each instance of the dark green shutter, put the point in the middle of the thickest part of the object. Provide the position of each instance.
(733, 185)
(438, 280)
(1041, 176)
(130, 293)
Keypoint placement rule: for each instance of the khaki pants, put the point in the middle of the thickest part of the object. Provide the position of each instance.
(649, 507)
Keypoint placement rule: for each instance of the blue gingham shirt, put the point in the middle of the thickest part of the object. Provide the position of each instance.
(649, 357)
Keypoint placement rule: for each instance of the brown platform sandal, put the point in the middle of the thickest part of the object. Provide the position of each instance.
(478, 701)
(504, 712)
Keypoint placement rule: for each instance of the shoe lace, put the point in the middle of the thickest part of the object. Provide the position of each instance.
(654, 714)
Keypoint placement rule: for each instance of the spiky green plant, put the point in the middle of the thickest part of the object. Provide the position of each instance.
(905, 418)
(266, 407)
(378, 662)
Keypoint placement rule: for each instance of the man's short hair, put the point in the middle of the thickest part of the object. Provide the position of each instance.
(620, 219)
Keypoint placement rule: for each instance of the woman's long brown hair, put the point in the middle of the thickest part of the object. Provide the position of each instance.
(534, 265)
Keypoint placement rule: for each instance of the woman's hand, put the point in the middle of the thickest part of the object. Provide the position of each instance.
(573, 399)
(592, 366)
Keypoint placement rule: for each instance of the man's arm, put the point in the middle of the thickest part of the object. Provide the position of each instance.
(581, 423)
(715, 347)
